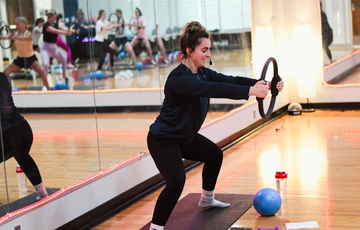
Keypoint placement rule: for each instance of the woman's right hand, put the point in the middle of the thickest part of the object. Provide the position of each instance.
(260, 89)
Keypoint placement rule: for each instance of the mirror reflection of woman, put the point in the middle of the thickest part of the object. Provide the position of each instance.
(102, 44)
(84, 27)
(18, 138)
(61, 25)
(26, 57)
(49, 46)
(36, 33)
(141, 36)
(121, 39)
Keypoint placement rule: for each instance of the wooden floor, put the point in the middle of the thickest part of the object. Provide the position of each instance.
(321, 153)
(66, 150)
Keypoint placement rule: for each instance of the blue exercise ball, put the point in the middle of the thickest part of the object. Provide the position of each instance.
(267, 202)
(59, 85)
(99, 75)
(122, 55)
(139, 65)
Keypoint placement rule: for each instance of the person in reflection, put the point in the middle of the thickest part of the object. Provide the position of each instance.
(85, 27)
(17, 138)
(48, 48)
(60, 43)
(327, 34)
(26, 57)
(36, 33)
(121, 39)
(102, 43)
(174, 134)
(141, 37)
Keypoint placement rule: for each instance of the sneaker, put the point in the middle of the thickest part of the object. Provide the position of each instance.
(167, 61)
(70, 66)
(44, 88)
(40, 197)
(153, 62)
(131, 62)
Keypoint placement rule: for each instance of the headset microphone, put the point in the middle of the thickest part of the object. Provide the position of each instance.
(210, 62)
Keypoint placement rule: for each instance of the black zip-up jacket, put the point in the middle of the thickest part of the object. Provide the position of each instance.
(187, 99)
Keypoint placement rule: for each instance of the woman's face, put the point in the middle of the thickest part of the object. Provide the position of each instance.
(20, 26)
(52, 18)
(137, 13)
(201, 53)
(103, 16)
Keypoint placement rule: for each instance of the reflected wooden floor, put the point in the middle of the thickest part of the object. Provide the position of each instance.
(65, 146)
(319, 150)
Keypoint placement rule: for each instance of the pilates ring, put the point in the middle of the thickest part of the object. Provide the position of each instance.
(274, 91)
(5, 30)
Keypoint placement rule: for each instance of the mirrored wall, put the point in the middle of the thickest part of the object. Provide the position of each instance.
(72, 143)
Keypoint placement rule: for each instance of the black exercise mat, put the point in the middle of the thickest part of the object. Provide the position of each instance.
(31, 88)
(23, 202)
(188, 216)
(88, 87)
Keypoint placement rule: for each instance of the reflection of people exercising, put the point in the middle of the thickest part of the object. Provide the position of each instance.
(327, 34)
(17, 138)
(174, 134)
(26, 57)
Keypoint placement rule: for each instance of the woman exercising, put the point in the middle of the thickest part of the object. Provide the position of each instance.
(174, 134)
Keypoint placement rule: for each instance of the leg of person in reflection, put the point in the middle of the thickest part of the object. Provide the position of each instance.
(48, 51)
(160, 42)
(328, 52)
(36, 66)
(18, 138)
(172, 169)
(162, 49)
(123, 41)
(65, 47)
(148, 47)
(106, 50)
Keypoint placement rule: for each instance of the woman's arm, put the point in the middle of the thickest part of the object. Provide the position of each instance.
(53, 30)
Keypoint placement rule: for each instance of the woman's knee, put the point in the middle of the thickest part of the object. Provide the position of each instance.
(176, 182)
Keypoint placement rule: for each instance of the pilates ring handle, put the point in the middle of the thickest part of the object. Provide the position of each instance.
(274, 91)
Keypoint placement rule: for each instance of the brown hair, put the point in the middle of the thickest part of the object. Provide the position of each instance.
(100, 13)
(190, 36)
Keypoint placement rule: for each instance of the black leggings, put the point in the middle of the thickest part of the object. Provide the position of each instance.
(17, 143)
(103, 48)
(326, 43)
(167, 155)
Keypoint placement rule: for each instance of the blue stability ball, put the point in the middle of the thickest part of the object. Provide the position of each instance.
(59, 85)
(122, 55)
(92, 75)
(267, 202)
(139, 65)
(99, 75)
